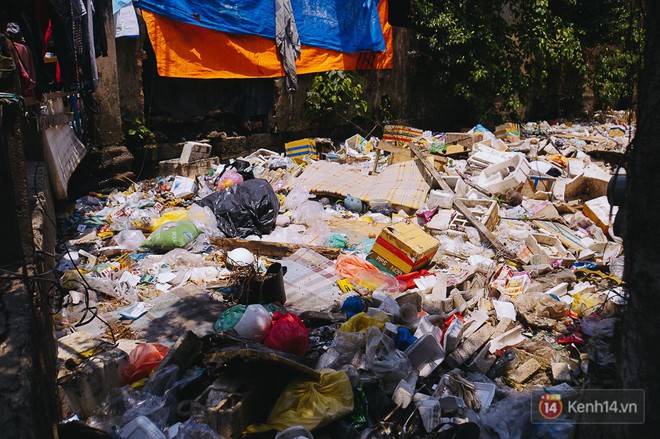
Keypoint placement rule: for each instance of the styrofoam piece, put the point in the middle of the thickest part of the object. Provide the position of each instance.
(540, 167)
(425, 354)
(440, 198)
(485, 156)
(509, 174)
(484, 393)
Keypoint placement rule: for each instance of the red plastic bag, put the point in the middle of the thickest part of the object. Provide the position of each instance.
(143, 360)
(288, 334)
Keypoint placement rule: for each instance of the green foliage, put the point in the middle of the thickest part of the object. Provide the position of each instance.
(137, 134)
(503, 54)
(336, 93)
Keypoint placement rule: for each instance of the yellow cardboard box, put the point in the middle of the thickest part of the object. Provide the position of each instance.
(402, 248)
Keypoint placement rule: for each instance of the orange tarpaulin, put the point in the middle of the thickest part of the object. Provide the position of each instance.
(186, 51)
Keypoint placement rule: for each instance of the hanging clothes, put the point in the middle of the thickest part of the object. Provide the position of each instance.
(287, 41)
(126, 22)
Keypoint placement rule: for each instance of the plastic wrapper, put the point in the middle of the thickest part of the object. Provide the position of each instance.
(143, 360)
(172, 235)
(362, 322)
(288, 334)
(248, 208)
(310, 404)
(542, 311)
(130, 239)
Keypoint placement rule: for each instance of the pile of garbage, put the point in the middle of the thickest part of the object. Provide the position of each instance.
(419, 285)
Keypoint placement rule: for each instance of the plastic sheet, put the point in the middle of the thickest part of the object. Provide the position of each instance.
(310, 404)
(248, 208)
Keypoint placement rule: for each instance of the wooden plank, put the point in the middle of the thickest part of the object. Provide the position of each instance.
(462, 208)
(273, 249)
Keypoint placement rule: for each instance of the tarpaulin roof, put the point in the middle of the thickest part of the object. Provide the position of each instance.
(348, 26)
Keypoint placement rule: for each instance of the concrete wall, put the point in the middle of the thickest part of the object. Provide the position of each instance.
(182, 108)
(28, 394)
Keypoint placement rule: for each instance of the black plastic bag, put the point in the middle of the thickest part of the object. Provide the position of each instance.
(247, 208)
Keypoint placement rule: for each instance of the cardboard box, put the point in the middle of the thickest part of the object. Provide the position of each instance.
(402, 248)
(508, 130)
(299, 149)
(598, 210)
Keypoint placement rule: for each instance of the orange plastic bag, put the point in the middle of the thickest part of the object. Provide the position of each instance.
(143, 360)
(362, 273)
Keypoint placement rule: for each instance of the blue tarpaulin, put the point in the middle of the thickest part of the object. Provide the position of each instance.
(346, 25)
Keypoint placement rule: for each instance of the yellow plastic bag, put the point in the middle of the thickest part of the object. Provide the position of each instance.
(363, 321)
(584, 303)
(310, 404)
(167, 217)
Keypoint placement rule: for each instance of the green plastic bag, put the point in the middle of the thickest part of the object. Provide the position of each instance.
(229, 318)
(310, 404)
(175, 234)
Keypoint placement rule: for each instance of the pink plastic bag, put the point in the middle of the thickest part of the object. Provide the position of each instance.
(143, 360)
(288, 334)
(230, 178)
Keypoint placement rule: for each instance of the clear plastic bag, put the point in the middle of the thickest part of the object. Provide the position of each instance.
(130, 239)
(204, 219)
(194, 430)
(297, 196)
(123, 404)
